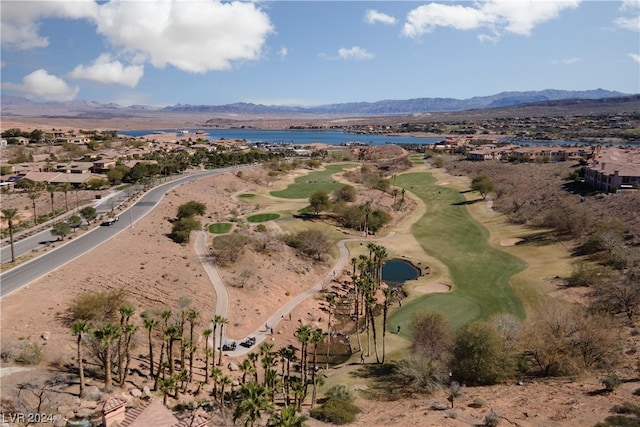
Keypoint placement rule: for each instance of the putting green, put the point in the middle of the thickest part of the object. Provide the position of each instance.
(263, 217)
(220, 227)
(304, 186)
(480, 272)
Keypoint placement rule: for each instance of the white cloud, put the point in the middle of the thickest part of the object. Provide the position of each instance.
(283, 52)
(195, 36)
(372, 16)
(20, 19)
(498, 16)
(44, 86)
(635, 57)
(632, 22)
(105, 70)
(572, 60)
(355, 53)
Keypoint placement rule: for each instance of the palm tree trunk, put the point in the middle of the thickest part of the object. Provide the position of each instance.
(80, 365)
(150, 354)
(13, 252)
(108, 381)
(373, 330)
(384, 326)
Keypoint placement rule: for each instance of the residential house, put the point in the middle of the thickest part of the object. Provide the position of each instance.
(613, 169)
(151, 413)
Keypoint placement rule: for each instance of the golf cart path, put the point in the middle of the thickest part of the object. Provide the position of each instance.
(222, 296)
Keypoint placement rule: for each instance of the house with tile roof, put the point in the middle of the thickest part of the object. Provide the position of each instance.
(613, 169)
(151, 413)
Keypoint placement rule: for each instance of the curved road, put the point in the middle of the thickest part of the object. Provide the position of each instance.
(222, 296)
(30, 271)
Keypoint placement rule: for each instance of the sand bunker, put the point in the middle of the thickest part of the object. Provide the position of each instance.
(510, 242)
(432, 288)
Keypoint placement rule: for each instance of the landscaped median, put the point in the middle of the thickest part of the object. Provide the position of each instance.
(480, 272)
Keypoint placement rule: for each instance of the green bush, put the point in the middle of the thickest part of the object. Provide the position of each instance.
(340, 392)
(610, 382)
(335, 411)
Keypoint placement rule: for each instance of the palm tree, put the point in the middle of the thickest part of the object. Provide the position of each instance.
(192, 317)
(331, 300)
(207, 353)
(371, 302)
(221, 321)
(253, 358)
(34, 194)
(287, 355)
(149, 324)
(246, 368)
(381, 255)
(65, 187)
(287, 417)
(216, 374)
(167, 386)
(52, 191)
(255, 400)
(79, 328)
(303, 334)
(224, 382)
(173, 333)
(129, 331)
(316, 337)
(126, 311)
(106, 334)
(388, 293)
(11, 215)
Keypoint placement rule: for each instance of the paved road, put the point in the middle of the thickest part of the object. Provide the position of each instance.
(222, 297)
(39, 267)
(44, 238)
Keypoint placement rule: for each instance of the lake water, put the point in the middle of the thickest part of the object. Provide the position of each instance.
(397, 271)
(304, 137)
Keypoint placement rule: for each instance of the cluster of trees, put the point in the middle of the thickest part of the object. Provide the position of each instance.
(185, 222)
(367, 283)
(273, 382)
(561, 340)
(362, 217)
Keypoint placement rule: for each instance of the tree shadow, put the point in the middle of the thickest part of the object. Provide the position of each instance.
(468, 202)
(383, 381)
(542, 238)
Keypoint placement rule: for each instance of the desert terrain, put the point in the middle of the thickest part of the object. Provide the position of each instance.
(157, 273)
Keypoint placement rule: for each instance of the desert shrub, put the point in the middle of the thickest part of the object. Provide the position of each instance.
(182, 229)
(567, 340)
(626, 415)
(346, 193)
(29, 354)
(261, 228)
(98, 306)
(491, 419)
(479, 357)
(311, 242)
(191, 208)
(431, 335)
(585, 275)
(378, 219)
(335, 411)
(340, 392)
(228, 248)
(478, 402)
(610, 382)
(422, 374)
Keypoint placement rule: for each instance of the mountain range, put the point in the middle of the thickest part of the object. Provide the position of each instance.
(14, 106)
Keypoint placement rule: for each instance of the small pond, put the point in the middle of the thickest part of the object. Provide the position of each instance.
(397, 271)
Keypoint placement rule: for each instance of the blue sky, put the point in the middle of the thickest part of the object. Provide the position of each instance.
(166, 52)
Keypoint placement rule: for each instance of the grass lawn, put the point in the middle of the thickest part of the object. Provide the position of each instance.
(480, 272)
(246, 196)
(305, 186)
(263, 217)
(220, 227)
